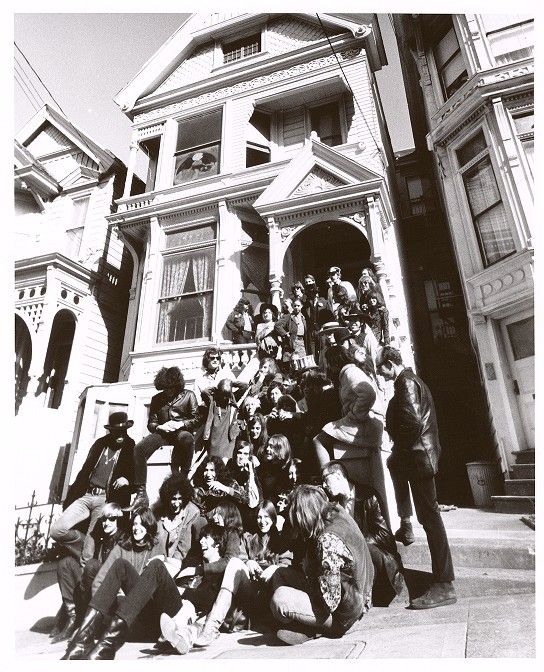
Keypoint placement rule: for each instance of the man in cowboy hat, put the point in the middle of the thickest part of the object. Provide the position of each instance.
(106, 476)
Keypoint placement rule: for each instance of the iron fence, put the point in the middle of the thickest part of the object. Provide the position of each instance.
(33, 532)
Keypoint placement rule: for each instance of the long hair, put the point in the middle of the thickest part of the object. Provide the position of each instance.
(282, 448)
(208, 354)
(230, 514)
(272, 366)
(169, 377)
(260, 444)
(219, 466)
(336, 357)
(306, 510)
(176, 482)
(269, 508)
(148, 521)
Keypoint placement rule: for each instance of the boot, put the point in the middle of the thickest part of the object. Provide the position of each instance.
(180, 636)
(293, 637)
(111, 641)
(83, 640)
(59, 621)
(69, 626)
(171, 626)
(405, 533)
(217, 615)
(438, 595)
(141, 499)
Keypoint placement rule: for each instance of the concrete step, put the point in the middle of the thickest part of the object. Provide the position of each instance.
(524, 456)
(513, 503)
(484, 552)
(475, 581)
(520, 486)
(523, 471)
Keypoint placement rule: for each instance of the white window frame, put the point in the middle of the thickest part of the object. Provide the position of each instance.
(218, 55)
(469, 224)
(520, 137)
(486, 33)
(168, 252)
(80, 224)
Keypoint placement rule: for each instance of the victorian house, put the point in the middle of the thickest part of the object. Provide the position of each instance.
(267, 157)
(475, 84)
(72, 275)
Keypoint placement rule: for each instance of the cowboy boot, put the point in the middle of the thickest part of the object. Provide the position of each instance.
(69, 626)
(405, 533)
(111, 641)
(141, 500)
(83, 640)
(217, 615)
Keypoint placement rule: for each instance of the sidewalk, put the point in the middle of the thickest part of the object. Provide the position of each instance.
(494, 616)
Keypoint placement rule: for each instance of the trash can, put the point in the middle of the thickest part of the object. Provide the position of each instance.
(485, 480)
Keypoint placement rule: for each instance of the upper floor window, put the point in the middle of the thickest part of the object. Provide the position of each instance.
(198, 147)
(150, 149)
(74, 233)
(242, 48)
(325, 121)
(258, 139)
(510, 36)
(525, 129)
(485, 202)
(418, 194)
(449, 62)
(186, 300)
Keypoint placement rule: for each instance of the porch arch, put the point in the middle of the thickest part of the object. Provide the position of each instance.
(316, 245)
(23, 358)
(57, 357)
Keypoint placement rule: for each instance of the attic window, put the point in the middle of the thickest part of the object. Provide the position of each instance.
(247, 46)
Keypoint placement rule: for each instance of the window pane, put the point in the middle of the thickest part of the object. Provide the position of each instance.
(525, 123)
(202, 234)
(446, 48)
(185, 318)
(495, 235)
(73, 245)
(522, 338)
(194, 165)
(512, 40)
(481, 186)
(242, 48)
(258, 129)
(199, 131)
(80, 211)
(325, 121)
(188, 271)
(453, 71)
(471, 149)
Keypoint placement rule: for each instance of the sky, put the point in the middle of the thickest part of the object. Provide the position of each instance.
(84, 60)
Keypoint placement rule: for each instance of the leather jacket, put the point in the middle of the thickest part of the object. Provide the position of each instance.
(183, 407)
(411, 422)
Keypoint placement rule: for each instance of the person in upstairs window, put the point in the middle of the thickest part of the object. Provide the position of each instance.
(173, 419)
(106, 475)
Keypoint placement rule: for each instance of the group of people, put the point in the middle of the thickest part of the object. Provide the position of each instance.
(268, 513)
(296, 331)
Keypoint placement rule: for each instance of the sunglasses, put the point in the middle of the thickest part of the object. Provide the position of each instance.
(111, 519)
(214, 358)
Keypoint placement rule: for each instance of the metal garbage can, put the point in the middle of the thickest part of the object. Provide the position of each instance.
(485, 480)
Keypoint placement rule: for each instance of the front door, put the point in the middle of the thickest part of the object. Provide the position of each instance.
(519, 338)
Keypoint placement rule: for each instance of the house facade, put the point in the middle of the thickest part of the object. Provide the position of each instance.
(72, 276)
(476, 75)
(267, 158)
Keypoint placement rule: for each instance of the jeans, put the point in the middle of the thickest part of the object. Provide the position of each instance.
(182, 455)
(88, 506)
(402, 495)
(428, 514)
(295, 603)
(75, 583)
(155, 583)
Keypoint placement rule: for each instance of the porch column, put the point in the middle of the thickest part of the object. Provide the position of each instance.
(131, 165)
(276, 262)
(165, 160)
(132, 311)
(227, 282)
(377, 243)
(150, 287)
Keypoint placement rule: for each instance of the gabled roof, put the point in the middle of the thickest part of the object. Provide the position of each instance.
(200, 27)
(316, 170)
(103, 157)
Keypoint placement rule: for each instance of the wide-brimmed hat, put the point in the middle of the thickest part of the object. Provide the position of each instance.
(342, 334)
(333, 270)
(119, 420)
(268, 306)
(357, 315)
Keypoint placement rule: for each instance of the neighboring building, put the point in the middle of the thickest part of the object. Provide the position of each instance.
(476, 76)
(267, 159)
(72, 277)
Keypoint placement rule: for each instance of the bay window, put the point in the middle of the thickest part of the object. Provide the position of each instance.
(198, 147)
(186, 301)
(325, 121)
(450, 66)
(487, 209)
(258, 139)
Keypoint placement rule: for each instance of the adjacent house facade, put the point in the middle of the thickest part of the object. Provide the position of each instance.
(72, 276)
(477, 77)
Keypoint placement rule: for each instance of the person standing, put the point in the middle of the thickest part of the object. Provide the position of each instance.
(411, 422)
(313, 305)
(335, 275)
(173, 417)
(240, 323)
(106, 476)
(213, 372)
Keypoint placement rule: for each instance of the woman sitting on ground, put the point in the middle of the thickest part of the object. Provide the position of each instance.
(75, 581)
(215, 486)
(335, 590)
(124, 564)
(272, 470)
(250, 406)
(270, 401)
(245, 580)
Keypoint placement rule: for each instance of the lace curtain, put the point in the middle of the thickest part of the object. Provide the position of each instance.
(203, 279)
(174, 276)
